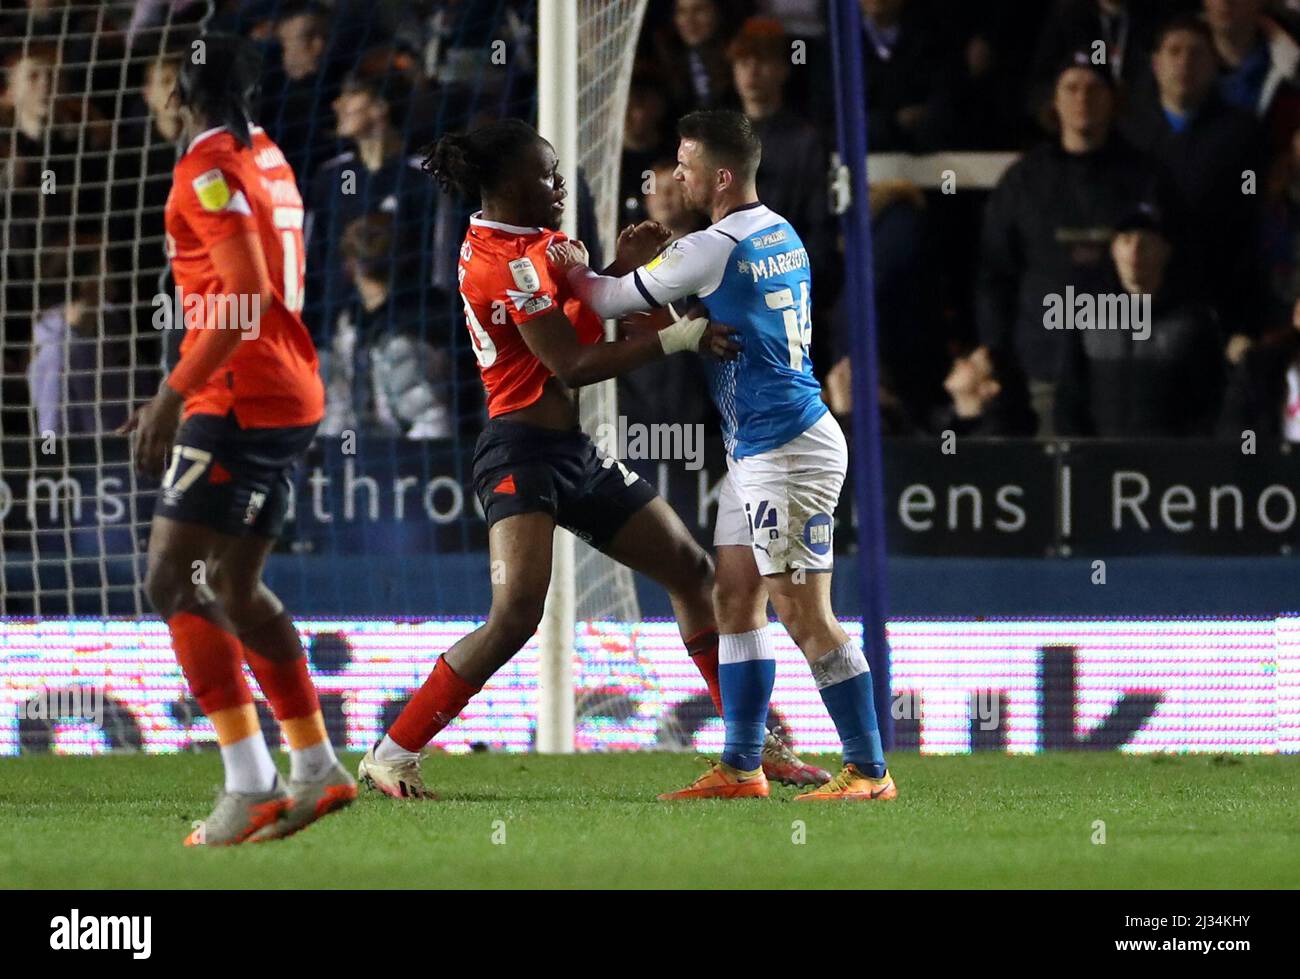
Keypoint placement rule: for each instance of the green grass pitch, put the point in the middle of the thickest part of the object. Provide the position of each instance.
(592, 821)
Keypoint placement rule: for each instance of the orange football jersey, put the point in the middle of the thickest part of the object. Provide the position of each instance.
(506, 280)
(221, 188)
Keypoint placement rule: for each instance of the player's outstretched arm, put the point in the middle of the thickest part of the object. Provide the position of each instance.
(555, 343)
(245, 273)
(609, 296)
(691, 266)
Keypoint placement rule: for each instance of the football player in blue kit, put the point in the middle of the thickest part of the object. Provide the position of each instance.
(786, 456)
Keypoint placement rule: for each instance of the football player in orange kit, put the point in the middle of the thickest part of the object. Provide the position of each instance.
(249, 392)
(534, 468)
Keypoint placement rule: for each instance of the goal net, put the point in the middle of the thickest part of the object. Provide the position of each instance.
(384, 532)
(82, 181)
(89, 143)
(88, 140)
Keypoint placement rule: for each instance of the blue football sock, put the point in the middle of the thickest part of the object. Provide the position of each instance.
(746, 672)
(844, 681)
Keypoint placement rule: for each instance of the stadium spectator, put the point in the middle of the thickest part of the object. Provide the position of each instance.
(691, 62)
(1257, 64)
(81, 34)
(1263, 394)
(810, 89)
(1118, 383)
(80, 372)
(987, 398)
(53, 164)
(1207, 146)
(142, 175)
(376, 175)
(674, 389)
(381, 376)
(646, 141)
(792, 177)
(476, 49)
(1050, 220)
(157, 94)
(908, 80)
(294, 99)
(1120, 32)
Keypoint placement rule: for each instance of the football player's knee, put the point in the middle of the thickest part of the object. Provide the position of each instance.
(692, 571)
(702, 566)
(168, 587)
(739, 606)
(515, 622)
(798, 617)
(238, 596)
(217, 578)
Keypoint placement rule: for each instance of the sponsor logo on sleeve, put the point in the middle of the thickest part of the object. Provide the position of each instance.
(525, 275)
(528, 303)
(212, 190)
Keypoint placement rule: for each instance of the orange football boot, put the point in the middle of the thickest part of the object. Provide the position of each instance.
(850, 785)
(723, 782)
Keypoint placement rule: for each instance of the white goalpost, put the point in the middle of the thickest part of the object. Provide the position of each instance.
(585, 53)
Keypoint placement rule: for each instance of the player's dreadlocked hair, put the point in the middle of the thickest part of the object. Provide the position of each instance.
(218, 77)
(479, 161)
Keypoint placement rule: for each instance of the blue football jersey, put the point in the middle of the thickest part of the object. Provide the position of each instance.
(752, 272)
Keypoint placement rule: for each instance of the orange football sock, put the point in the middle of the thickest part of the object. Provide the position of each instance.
(434, 706)
(235, 724)
(703, 649)
(303, 732)
(285, 684)
(210, 657)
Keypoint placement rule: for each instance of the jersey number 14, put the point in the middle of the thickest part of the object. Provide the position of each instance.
(798, 325)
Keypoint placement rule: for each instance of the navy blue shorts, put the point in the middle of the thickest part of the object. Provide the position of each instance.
(232, 480)
(521, 468)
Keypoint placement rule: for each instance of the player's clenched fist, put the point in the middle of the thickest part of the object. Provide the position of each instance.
(639, 243)
(719, 342)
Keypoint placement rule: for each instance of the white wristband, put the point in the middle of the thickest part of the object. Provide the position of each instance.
(683, 335)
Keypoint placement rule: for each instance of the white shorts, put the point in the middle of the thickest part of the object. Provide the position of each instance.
(782, 502)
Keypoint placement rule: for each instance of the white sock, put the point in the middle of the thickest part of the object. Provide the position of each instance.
(390, 752)
(249, 767)
(310, 763)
